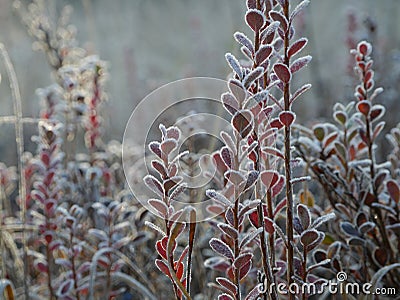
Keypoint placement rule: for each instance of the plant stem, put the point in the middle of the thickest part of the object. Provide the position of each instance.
(74, 275)
(288, 171)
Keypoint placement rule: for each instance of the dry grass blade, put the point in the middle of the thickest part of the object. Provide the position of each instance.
(17, 106)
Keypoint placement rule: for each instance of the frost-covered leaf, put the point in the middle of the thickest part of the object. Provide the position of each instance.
(378, 276)
(378, 129)
(242, 39)
(159, 167)
(173, 132)
(168, 145)
(234, 63)
(394, 190)
(349, 229)
(297, 46)
(230, 103)
(226, 157)
(242, 121)
(287, 118)
(308, 237)
(228, 141)
(252, 77)
(153, 184)
(65, 288)
(263, 53)
(225, 297)
(269, 178)
(251, 179)
(228, 230)
(155, 148)
(218, 197)
(300, 63)
(323, 219)
(162, 266)
(221, 248)
(364, 48)
(304, 215)
(159, 206)
(277, 16)
(364, 107)
(226, 283)
(282, 72)
(278, 187)
(249, 237)
(298, 9)
(255, 292)
(255, 19)
(242, 260)
(267, 35)
(245, 269)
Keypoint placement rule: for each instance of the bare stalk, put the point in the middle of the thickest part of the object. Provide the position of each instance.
(288, 171)
(19, 138)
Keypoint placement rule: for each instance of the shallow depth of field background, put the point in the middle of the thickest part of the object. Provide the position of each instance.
(149, 43)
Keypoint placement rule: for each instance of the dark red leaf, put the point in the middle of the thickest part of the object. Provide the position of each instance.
(287, 118)
(282, 72)
(394, 190)
(255, 19)
(297, 46)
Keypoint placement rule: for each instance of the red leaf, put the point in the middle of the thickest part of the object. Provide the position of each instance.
(364, 48)
(281, 205)
(364, 107)
(255, 19)
(153, 184)
(155, 148)
(163, 267)
(225, 297)
(263, 53)
(287, 118)
(226, 283)
(226, 157)
(297, 47)
(245, 270)
(161, 250)
(299, 63)
(277, 16)
(219, 163)
(278, 187)
(159, 206)
(254, 219)
(173, 133)
(168, 145)
(179, 270)
(282, 72)
(269, 178)
(275, 123)
(394, 190)
(242, 260)
(269, 225)
(159, 168)
(242, 122)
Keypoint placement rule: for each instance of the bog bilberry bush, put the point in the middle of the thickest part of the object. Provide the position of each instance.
(293, 204)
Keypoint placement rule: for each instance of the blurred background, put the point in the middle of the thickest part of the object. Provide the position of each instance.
(148, 43)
